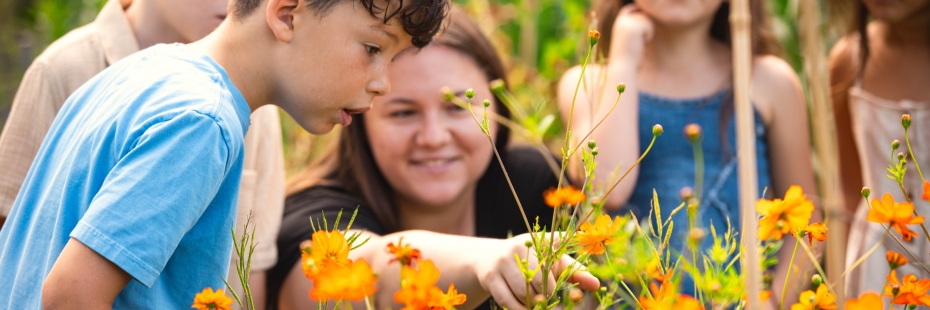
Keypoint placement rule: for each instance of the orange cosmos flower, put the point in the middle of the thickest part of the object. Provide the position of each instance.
(868, 301)
(780, 217)
(666, 297)
(654, 270)
(816, 231)
(822, 299)
(897, 215)
(450, 299)
(910, 291)
(418, 289)
(329, 249)
(403, 253)
(895, 259)
(569, 195)
(210, 300)
(352, 282)
(926, 195)
(595, 238)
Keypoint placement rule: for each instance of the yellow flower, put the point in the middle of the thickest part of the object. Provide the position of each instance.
(895, 259)
(557, 197)
(210, 300)
(780, 217)
(897, 215)
(868, 301)
(822, 299)
(450, 299)
(595, 238)
(329, 249)
(353, 282)
(403, 253)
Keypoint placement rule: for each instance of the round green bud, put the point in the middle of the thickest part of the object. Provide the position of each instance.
(895, 144)
(866, 192)
(486, 103)
(497, 85)
(657, 130)
(594, 152)
(470, 93)
(906, 120)
(593, 36)
(621, 88)
(816, 280)
(591, 144)
(447, 93)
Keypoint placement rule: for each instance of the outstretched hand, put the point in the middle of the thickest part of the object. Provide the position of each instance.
(502, 277)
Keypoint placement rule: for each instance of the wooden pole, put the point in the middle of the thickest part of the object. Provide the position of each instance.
(824, 136)
(746, 149)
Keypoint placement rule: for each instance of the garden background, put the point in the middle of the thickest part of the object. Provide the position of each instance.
(539, 40)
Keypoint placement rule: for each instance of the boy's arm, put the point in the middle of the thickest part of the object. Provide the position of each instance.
(83, 279)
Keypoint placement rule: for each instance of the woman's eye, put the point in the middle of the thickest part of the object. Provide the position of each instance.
(402, 113)
(372, 49)
(456, 108)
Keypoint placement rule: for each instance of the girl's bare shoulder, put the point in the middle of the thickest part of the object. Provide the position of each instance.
(775, 86)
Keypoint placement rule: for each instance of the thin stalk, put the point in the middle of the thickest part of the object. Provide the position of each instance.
(908, 198)
(571, 112)
(907, 140)
(581, 142)
(628, 290)
(698, 170)
(788, 276)
(612, 187)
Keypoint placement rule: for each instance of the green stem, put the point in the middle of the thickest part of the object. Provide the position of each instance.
(612, 187)
(797, 242)
(908, 198)
(907, 140)
(698, 170)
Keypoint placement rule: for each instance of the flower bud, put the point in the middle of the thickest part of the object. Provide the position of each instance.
(539, 300)
(693, 132)
(866, 192)
(621, 88)
(657, 130)
(575, 295)
(715, 286)
(594, 152)
(906, 120)
(486, 103)
(593, 36)
(895, 289)
(696, 235)
(592, 144)
(447, 93)
(780, 224)
(619, 277)
(497, 85)
(895, 144)
(469, 93)
(528, 243)
(912, 306)
(900, 156)
(686, 193)
(816, 280)
(306, 246)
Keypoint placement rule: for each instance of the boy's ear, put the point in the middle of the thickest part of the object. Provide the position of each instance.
(280, 17)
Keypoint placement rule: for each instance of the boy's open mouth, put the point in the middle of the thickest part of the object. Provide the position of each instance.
(345, 115)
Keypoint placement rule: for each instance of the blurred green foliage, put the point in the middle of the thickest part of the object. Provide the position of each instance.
(538, 39)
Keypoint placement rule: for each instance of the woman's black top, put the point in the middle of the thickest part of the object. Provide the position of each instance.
(496, 211)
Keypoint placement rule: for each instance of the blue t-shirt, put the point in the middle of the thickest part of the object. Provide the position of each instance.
(142, 165)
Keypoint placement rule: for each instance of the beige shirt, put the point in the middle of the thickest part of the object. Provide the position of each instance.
(81, 54)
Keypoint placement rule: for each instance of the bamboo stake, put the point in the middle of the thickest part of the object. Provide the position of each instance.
(746, 149)
(824, 139)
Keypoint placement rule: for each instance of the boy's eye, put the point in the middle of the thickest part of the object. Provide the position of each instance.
(372, 49)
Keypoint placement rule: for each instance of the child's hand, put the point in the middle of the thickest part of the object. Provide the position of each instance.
(500, 274)
(632, 30)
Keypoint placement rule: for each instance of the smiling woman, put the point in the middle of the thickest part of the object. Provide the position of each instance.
(418, 167)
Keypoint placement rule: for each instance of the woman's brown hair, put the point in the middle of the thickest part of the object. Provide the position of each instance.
(349, 163)
(763, 41)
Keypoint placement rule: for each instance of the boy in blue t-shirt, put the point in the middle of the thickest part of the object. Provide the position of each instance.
(139, 174)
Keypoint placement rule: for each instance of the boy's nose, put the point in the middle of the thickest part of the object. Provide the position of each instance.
(380, 85)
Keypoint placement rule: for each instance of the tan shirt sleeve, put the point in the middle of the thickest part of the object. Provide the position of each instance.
(34, 108)
(262, 186)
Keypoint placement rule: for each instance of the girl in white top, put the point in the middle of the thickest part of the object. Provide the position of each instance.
(878, 72)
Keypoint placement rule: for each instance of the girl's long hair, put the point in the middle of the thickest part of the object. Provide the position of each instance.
(349, 162)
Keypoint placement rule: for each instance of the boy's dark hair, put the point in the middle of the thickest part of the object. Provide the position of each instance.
(421, 19)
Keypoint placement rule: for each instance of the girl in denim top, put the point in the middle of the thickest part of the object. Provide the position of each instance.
(675, 59)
